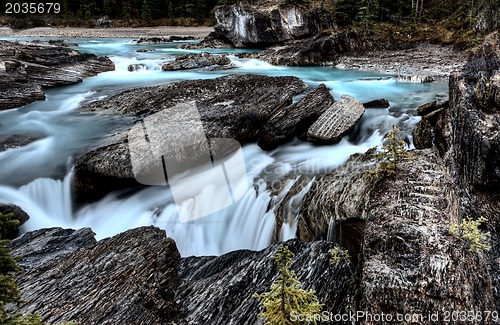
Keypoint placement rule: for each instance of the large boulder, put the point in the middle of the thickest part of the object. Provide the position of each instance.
(336, 121)
(202, 60)
(258, 25)
(233, 107)
(16, 214)
(27, 68)
(127, 279)
(295, 119)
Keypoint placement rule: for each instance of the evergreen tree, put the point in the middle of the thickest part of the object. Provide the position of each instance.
(393, 153)
(9, 292)
(286, 298)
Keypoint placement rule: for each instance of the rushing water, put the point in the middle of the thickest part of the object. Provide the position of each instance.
(37, 177)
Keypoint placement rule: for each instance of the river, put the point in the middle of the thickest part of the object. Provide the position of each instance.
(37, 177)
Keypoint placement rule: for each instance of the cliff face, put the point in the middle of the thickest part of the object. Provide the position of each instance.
(247, 25)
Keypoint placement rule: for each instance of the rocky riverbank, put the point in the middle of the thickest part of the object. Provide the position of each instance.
(405, 262)
(27, 68)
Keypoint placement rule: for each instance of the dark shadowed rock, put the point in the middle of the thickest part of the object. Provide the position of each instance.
(159, 40)
(127, 279)
(218, 290)
(322, 49)
(18, 140)
(377, 103)
(17, 214)
(232, 107)
(336, 121)
(211, 41)
(193, 61)
(247, 25)
(26, 68)
(136, 67)
(295, 119)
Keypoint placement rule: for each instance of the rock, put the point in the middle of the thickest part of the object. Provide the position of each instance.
(193, 61)
(340, 195)
(18, 214)
(211, 41)
(294, 120)
(430, 131)
(322, 49)
(248, 25)
(234, 107)
(412, 265)
(136, 67)
(159, 40)
(427, 108)
(377, 103)
(63, 43)
(219, 290)
(26, 68)
(417, 78)
(474, 118)
(104, 22)
(145, 50)
(336, 121)
(127, 279)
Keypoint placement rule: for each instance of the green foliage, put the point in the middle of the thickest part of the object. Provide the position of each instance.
(468, 230)
(339, 255)
(9, 291)
(391, 156)
(286, 296)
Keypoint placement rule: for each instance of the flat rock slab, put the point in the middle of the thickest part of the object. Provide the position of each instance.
(193, 61)
(295, 119)
(337, 121)
(26, 68)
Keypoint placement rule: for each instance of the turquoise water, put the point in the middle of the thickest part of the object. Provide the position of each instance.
(37, 176)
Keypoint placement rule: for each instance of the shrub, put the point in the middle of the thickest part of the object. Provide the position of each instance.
(339, 255)
(391, 156)
(468, 231)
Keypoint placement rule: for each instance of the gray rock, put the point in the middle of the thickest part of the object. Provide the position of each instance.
(232, 107)
(17, 214)
(127, 279)
(104, 22)
(218, 290)
(336, 121)
(211, 41)
(27, 68)
(247, 25)
(136, 67)
(377, 103)
(193, 61)
(294, 120)
(18, 140)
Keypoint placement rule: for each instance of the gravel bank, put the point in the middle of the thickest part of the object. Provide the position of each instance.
(119, 32)
(424, 63)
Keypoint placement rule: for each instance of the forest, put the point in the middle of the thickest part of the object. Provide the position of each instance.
(201, 12)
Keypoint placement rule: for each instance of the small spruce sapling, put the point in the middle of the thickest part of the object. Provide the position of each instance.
(286, 296)
(391, 156)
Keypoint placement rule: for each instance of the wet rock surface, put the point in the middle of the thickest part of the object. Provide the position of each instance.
(193, 61)
(293, 120)
(233, 107)
(18, 140)
(127, 279)
(17, 214)
(336, 121)
(27, 68)
(247, 25)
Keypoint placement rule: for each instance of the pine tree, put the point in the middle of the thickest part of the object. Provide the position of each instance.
(392, 155)
(286, 298)
(9, 292)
